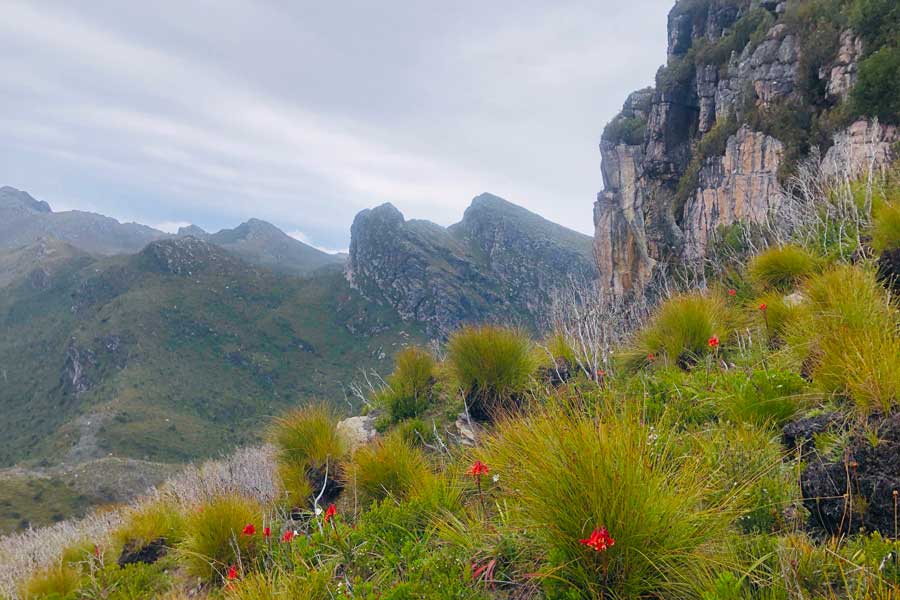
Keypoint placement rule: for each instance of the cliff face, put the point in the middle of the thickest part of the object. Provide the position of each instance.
(500, 263)
(748, 88)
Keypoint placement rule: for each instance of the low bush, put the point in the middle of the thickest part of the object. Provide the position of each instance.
(390, 467)
(782, 268)
(680, 330)
(307, 448)
(765, 397)
(775, 312)
(493, 366)
(846, 337)
(886, 227)
(877, 90)
(570, 477)
(309, 585)
(214, 538)
(157, 521)
(409, 391)
(55, 583)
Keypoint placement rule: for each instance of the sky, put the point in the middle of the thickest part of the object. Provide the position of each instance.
(304, 113)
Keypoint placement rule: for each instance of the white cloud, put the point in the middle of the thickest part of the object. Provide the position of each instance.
(302, 237)
(170, 226)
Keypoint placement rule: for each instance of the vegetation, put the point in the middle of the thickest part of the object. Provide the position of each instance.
(409, 388)
(781, 268)
(391, 468)
(215, 539)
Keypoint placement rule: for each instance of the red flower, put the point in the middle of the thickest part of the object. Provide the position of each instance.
(599, 540)
(478, 469)
(267, 532)
(601, 373)
(732, 292)
(714, 342)
(651, 357)
(96, 550)
(330, 512)
(249, 529)
(763, 307)
(288, 536)
(232, 573)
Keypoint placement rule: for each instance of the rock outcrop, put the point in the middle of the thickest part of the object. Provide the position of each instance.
(708, 146)
(500, 263)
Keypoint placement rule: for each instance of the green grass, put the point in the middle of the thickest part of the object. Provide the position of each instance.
(37, 501)
(409, 391)
(54, 583)
(493, 366)
(307, 446)
(390, 468)
(764, 397)
(150, 522)
(782, 268)
(886, 227)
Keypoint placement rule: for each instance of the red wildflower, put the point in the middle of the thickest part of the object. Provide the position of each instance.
(763, 307)
(232, 573)
(288, 536)
(478, 469)
(96, 550)
(651, 357)
(732, 292)
(601, 373)
(599, 540)
(714, 342)
(330, 512)
(267, 532)
(249, 529)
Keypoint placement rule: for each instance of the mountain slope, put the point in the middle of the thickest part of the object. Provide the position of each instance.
(501, 262)
(173, 353)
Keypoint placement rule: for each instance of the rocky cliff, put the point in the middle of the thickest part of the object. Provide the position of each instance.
(500, 263)
(749, 88)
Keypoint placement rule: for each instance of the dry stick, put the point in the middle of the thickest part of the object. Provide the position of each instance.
(319, 497)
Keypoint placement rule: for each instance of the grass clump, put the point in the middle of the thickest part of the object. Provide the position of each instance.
(55, 583)
(390, 467)
(847, 337)
(409, 391)
(765, 397)
(308, 446)
(569, 474)
(155, 522)
(213, 540)
(886, 227)
(493, 366)
(681, 329)
(782, 268)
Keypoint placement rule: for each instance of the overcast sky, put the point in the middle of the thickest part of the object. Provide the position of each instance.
(303, 113)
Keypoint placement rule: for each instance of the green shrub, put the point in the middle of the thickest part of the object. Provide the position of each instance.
(781, 268)
(625, 130)
(779, 313)
(886, 227)
(765, 397)
(568, 474)
(680, 331)
(877, 89)
(308, 585)
(148, 523)
(59, 582)
(847, 338)
(213, 537)
(390, 467)
(877, 22)
(307, 445)
(409, 391)
(493, 366)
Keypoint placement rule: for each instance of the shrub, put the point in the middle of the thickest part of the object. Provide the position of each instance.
(779, 313)
(877, 90)
(213, 540)
(886, 227)
(56, 582)
(569, 474)
(390, 467)
(148, 523)
(307, 446)
(310, 585)
(409, 388)
(680, 330)
(847, 337)
(765, 397)
(781, 268)
(493, 366)
(625, 130)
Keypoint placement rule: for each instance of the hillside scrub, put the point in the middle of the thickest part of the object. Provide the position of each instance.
(782, 268)
(391, 467)
(409, 387)
(214, 537)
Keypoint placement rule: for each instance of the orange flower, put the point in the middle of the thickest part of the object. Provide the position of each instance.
(330, 512)
(714, 342)
(599, 540)
(249, 529)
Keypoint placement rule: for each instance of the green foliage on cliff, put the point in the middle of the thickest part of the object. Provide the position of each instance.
(625, 130)
(877, 92)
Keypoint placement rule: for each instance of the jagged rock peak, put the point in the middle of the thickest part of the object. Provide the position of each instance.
(11, 198)
(185, 256)
(193, 231)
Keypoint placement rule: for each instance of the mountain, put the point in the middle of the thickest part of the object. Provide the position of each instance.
(263, 244)
(24, 220)
(500, 263)
(749, 89)
(176, 352)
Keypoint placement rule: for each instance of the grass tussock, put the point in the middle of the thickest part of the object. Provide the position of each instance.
(782, 268)
(391, 467)
(847, 337)
(886, 227)
(307, 446)
(59, 581)
(570, 474)
(213, 541)
(493, 367)
(769, 397)
(409, 388)
(680, 330)
(148, 523)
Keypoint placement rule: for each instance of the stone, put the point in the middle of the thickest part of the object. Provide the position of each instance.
(149, 553)
(842, 75)
(469, 431)
(357, 431)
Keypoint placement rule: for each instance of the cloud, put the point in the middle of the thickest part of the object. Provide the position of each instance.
(302, 237)
(170, 226)
(303, 114)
